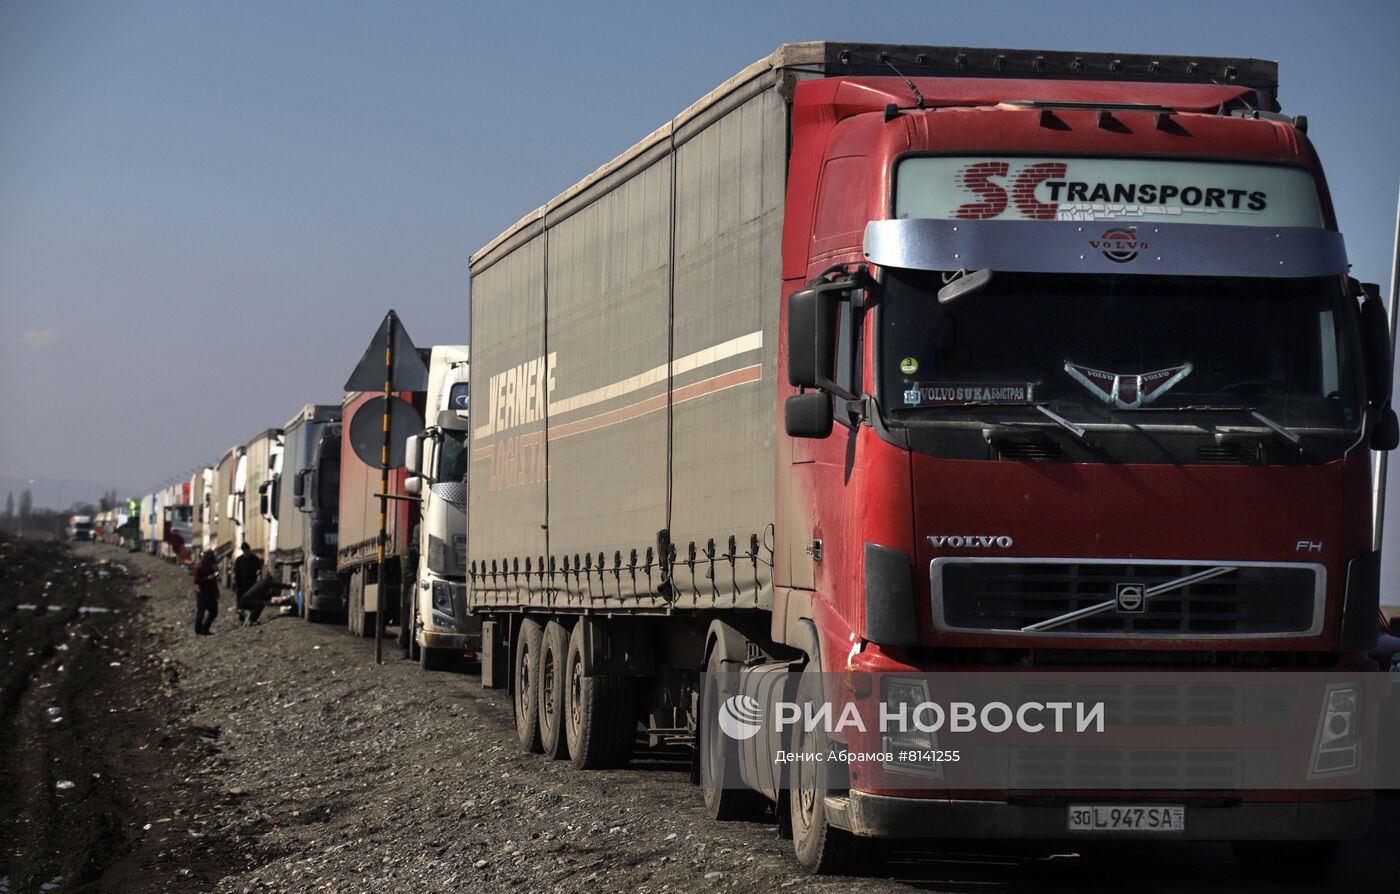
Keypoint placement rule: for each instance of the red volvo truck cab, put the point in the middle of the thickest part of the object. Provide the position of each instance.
(1047, 335)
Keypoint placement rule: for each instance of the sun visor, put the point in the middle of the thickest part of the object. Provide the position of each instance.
(1160, 249)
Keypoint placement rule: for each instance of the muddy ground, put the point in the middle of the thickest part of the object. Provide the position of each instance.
(279, 758)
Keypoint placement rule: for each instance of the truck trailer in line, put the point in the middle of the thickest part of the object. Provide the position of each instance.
(227, 515)
(257, 471)
(835, 369)
(201, 510)
(306, 522)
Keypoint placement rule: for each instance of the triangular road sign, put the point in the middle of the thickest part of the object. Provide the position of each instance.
(408, 374)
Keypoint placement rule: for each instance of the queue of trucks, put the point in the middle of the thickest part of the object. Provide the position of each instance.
(879, 358)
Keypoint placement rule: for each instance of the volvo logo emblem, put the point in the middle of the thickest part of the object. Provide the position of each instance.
(1131, 598)
(971, 541)
(1119, 244)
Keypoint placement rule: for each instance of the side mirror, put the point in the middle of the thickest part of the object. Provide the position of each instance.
(808, 415)
(812, 320)
(1376, 344)
(413, 454)
(1386, 433)
(451, 420)
(306, 481)
(299, 483)
(413, 486)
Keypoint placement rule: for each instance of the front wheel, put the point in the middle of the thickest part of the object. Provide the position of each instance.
(432, 659)
(820, 847)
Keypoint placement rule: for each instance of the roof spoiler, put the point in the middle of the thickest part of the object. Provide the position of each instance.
(833, 58)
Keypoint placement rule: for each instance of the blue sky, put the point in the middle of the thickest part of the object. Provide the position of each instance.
(205, 208)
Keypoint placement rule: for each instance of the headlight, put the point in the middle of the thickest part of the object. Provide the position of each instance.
(442, 597)
(1338, 745)
(909, 747)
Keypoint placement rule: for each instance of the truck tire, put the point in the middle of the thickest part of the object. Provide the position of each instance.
(821, 848)
(598, 718)
(1288, 862)
(354, 603)
(553, 656)
(525, 685)
(719, 754)
(415, 651)
(433, 659)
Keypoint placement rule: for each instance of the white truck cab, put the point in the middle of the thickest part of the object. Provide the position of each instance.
(436, 462)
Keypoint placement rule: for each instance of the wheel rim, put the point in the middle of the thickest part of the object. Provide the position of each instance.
(804, 794)
(522, 692)
(576, 695)
(547, 687)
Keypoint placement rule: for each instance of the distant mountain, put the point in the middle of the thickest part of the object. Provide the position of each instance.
(59, 493)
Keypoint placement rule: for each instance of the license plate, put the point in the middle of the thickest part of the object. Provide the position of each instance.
(1127, 818)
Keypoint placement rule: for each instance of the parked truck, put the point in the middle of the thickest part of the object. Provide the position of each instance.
(151, 523)
(80, 527)
(306, 518)
(176, 522)
(256, 471)
(201, 510)
(227, 515)
(357, 549)
(437, 465)
(895, 359)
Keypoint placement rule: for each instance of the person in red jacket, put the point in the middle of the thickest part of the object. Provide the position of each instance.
(206, 585)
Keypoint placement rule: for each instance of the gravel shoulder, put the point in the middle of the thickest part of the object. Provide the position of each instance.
(279, 758)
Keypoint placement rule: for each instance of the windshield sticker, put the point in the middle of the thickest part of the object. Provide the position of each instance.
(1127, 391)
(1119, 189)
(945, 394)
(909, 366)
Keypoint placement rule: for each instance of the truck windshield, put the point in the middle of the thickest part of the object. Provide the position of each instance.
(1107, 347)
(453, 457)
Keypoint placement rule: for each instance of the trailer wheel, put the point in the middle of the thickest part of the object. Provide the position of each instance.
(821, 848)
(553, 661)
(526, 683)
(598, 719)
(719, 754)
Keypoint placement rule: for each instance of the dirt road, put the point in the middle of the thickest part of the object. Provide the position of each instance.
(278, 758)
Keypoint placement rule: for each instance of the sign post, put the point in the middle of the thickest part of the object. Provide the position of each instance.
(403, 369)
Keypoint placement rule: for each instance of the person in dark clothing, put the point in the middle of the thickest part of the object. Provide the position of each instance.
(247, 568)
(252, 602)
(206, 597)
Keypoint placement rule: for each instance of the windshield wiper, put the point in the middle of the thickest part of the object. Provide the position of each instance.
(1080, 433)
(1277, 428)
